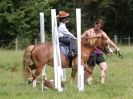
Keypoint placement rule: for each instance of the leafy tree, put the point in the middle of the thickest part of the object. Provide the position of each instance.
(21, 19)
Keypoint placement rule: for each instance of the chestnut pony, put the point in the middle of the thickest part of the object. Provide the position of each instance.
(36, 56)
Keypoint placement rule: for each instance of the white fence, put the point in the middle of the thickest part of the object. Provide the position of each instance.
(15, 44)
(123, 40)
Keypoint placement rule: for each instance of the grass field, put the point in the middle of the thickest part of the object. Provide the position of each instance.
(118, 85)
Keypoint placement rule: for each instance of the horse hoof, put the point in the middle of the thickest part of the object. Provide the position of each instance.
(29, 81)
(89, 80)
(49, 84)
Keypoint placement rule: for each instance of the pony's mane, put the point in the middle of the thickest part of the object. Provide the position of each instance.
(90, 41)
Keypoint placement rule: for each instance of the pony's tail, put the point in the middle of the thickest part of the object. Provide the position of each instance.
(27, 62)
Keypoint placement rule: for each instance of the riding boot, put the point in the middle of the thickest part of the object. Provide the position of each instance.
(71, 53)
(75, 52)
(73, 47)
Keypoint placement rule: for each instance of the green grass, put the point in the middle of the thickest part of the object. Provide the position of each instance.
(118, 85)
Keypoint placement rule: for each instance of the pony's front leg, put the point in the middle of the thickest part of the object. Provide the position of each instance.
(88, 74)
(74, 70)
(73, 74)
(88, 78)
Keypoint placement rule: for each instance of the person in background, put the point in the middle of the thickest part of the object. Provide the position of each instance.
(96, 56)
(65, 36)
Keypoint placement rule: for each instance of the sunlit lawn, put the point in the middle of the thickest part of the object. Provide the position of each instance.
(118, 85)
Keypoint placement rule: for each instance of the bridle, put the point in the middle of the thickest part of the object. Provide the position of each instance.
(108, 50)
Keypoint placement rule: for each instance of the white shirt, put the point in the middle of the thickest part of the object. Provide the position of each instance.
(63, 31)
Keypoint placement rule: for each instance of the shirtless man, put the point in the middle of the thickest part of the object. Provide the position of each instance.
(97, 56)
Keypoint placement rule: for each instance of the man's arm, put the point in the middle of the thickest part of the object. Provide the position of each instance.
(109, 41)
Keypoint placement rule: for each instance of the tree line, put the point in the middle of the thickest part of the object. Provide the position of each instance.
(20, 19)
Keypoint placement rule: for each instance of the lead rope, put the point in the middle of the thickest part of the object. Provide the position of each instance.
(119, 54)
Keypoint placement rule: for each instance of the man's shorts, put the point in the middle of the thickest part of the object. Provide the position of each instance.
(95, 59)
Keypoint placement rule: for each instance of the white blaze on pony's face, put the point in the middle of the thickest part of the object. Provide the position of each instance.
(109, 50)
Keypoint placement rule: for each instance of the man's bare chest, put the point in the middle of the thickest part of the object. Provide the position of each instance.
(94, 34)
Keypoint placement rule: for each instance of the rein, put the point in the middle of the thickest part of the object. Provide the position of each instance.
(119, 54)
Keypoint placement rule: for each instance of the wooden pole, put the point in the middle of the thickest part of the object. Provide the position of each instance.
(129, 41)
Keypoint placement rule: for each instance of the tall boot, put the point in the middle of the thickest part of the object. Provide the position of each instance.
(70, 54)
(75, 52)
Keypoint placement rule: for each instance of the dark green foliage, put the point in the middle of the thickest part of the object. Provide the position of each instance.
(21, 19)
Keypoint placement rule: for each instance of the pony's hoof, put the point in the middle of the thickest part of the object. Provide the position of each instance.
(62, 83)
(49, 84)
(89, 81)
(29, 81)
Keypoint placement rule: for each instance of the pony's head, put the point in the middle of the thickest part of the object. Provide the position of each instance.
(103, 45)
(107, 48)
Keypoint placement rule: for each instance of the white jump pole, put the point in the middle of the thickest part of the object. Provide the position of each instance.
(42, 29)
(64, 75)
(56, 53)
(42, 36)
(80, 67)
